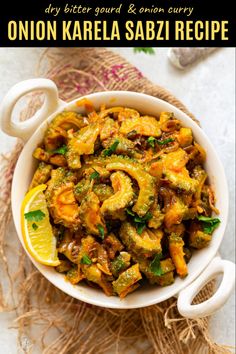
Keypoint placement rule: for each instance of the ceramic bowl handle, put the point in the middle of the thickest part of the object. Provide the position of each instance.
(218, 299)
(26, 128)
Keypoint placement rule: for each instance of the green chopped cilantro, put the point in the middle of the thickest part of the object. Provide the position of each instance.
(140, 222)
(151, 141)
(143, 219)
(146, 50)
(155, 265)
(95, 175)
(109, 151)
(129, 212)
(101, 231)
(209, 224)
(166, 141)
(35, 215)
(140, 227)
(34, 226)
(61, 150)
(86, 260)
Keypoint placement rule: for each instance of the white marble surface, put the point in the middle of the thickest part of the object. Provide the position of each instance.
(208, 90)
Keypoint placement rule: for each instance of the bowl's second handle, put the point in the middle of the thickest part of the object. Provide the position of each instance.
(218, 299)
(25, 129)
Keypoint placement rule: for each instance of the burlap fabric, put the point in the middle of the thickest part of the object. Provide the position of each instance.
(51, 322)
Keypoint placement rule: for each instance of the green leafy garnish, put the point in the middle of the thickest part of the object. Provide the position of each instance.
(209, 224)
(166, 141)
(61, 150)
(34, 226)
(147, 50)
(86, 260)
(140, 227)
(95, 175)
(145, 218)
(206, 218)
(155, 265)
(151, 141)
(140, 222)
(129, 212)
(35, 215)
(111, 149)
(101, 231)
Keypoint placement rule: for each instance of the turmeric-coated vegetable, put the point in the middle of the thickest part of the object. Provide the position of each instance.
(145, 125)
(128, 196)
(90, 214)
(146, 183)
(123, 194)
(41, 175)
(176, 245)
(127, 281)
(148, 243)
(64, 208)
(81, 143)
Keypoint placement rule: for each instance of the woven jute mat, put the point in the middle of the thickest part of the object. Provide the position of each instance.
(50, 322)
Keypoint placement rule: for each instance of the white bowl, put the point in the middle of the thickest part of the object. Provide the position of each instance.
(203, 265)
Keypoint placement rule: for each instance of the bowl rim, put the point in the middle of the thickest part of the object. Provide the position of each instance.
(72, 290)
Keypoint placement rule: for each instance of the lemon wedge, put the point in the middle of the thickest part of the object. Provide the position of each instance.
(36, 228)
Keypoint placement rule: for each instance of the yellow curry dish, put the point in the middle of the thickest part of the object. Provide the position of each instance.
(127, 197)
